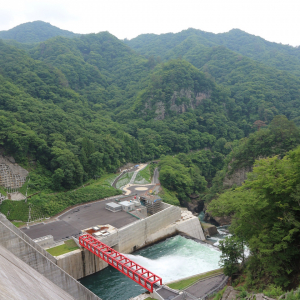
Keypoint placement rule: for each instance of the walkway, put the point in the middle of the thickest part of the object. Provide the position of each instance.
(132, 188)
(203, 287)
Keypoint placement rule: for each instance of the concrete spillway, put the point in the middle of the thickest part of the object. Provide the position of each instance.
(172, 259)
(177, 258)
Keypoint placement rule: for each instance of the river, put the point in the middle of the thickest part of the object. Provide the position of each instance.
(172, 259)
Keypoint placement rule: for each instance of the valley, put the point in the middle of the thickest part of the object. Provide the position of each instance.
(205, 122)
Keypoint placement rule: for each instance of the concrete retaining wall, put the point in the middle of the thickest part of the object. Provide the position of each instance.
(26, 238)
(132, 237)
(20, 281)
(135, 235)
(80, 263)
(192, 228)
(15, 241)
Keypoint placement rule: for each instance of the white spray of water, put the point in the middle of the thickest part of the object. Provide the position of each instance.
(185, 258)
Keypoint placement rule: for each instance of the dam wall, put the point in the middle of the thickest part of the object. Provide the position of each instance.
(20, 281)
(166, 223)
(135, 235)
(22, 247)
(80, 263)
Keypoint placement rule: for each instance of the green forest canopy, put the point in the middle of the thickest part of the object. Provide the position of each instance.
(86, 105)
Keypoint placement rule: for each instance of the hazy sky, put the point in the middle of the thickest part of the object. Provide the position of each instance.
(274, 20)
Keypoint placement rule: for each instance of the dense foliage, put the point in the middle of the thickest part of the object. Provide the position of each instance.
(32, 32)
(43, 119)
(265, 214)
(43, 205)
(73, 108)
(282, 57)
(278, 138)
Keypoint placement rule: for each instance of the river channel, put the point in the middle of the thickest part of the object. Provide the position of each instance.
(172, 259)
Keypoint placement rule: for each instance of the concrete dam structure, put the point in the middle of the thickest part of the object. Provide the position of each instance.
(59, 274)
(29, 272)
(144, 232)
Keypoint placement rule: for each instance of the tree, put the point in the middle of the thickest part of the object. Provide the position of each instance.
(57, 178)
(259, 124)
(232, 253)
(265, 212)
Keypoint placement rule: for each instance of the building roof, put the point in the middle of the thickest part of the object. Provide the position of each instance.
(113, 205)
(126, 203)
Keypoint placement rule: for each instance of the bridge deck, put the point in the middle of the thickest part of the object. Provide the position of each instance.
(129, 268)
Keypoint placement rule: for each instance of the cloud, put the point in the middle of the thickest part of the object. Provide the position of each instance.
(52, 12)
(273, 20)
(6, 19)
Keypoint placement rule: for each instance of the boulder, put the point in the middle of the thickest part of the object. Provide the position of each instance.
(209, 229)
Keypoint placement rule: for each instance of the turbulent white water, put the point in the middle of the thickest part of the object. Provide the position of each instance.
(172, 259)
(178, 258)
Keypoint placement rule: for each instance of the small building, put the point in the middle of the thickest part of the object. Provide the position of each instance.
(153, 204)
(114, 207)
(127, 205)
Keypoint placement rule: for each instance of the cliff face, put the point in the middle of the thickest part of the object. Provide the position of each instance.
(179, 103)
(238, 177)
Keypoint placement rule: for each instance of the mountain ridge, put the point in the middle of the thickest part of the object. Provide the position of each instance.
(34, 32)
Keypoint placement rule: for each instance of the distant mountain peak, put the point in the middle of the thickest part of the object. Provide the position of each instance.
(33, 32)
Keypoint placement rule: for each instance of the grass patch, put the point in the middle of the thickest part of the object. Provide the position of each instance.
(19, 224)
(169, 197)
(219, 295)
(106, 179)
(125, 179)
(43, 205)
(152, 167)
(15, 210)
(182, 284)
(143, 176)
(149, 298)
(68, 246)
(51, 205)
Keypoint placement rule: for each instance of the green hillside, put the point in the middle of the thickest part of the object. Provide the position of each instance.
(74, 109)
(281, 57)
(85, 106)
(33, 32)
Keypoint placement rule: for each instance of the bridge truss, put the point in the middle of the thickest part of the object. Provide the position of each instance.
(120, 262)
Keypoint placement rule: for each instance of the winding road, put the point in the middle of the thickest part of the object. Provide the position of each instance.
(141, 189)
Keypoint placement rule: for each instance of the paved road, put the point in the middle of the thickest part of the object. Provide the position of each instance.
(79, 218)
(134, 189)
(201, 288)
(155, 176)
(147, 187)
(87, 215)
(166, 293)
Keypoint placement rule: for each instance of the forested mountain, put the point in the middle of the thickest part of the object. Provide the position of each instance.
(33, 32)
(44, 120)
(282, 57)
(94, 98)
(73, 108)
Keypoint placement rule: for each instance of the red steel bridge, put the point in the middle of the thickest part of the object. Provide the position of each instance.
(120, 262)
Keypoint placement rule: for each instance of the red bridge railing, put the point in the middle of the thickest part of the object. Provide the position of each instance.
(120, 262)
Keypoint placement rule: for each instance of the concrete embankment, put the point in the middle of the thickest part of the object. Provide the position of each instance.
(23, 248)
(168, 222)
